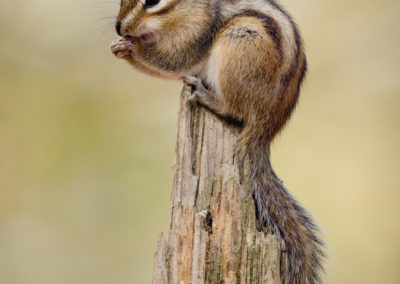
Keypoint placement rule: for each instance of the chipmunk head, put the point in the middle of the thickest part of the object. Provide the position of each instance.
(150, 20)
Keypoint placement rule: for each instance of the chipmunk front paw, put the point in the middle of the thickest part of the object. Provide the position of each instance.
(194, 82)
(194, 98)
(198, 89)
(123, 48)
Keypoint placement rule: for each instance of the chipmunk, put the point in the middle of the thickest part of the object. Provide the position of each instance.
(244, 60)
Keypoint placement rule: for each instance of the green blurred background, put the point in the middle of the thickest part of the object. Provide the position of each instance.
(87, 144)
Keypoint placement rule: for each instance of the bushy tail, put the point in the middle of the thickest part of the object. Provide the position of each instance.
(282, 214)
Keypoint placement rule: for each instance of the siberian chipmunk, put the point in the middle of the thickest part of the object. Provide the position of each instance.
(245, 60)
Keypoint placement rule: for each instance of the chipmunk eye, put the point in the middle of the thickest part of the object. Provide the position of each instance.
(150, 3)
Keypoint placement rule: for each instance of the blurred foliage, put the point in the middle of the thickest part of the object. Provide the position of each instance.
(87, 144)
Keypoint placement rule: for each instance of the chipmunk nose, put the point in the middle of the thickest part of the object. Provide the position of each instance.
(118, 28)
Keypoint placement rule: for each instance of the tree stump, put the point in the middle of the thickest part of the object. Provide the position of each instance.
(214, 236)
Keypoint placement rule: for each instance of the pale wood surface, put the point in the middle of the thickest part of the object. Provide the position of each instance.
(213, 235)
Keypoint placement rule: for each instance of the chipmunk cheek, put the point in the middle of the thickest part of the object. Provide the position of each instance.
(153, 24)
(146, 37)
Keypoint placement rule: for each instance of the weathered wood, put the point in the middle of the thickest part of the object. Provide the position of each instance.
(213, 235)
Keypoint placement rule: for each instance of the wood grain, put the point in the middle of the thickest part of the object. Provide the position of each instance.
(213, 235)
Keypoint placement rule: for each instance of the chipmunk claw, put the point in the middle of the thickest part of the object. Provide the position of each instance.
(194, 82)
(193, 98)
(198, 89)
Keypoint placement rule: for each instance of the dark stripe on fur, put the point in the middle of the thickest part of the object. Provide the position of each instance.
(271, 27)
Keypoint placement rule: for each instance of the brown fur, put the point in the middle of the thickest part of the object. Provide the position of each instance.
(250, 56)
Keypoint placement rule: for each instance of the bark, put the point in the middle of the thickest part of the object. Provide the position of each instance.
(213, 237)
